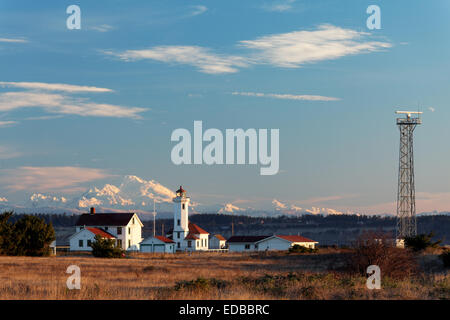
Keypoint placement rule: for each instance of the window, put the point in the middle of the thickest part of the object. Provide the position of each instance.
(89, 243)
(178, 222)
(247, 246)
(129, 230)
(119, 243)
(178, 235)
(197, 243)
(106, 228)
(119, 230)
(133, 221)
(256, 246)
(129, 243)
(178, 245)
(189, 243)
(80, 243)
(184, 206)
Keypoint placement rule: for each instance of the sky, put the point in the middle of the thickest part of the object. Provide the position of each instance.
(82, 107)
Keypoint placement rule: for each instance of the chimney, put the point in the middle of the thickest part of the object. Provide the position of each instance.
(92, 210)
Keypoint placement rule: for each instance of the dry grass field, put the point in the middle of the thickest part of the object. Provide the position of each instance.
(211, 276)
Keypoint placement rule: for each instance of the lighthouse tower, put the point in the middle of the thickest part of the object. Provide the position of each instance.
(180, 217)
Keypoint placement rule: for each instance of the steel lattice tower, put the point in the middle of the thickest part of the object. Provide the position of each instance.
(406, 196)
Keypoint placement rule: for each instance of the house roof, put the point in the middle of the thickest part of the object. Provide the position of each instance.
(219, 236)
(193, 228)
(294, 238)
(104, 219)
(100, 232)
(191, 236)
(246, 238)
(164, 239)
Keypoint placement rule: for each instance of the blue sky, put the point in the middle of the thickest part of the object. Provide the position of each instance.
(153, 66)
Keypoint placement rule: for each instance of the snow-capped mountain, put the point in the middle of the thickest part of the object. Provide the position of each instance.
(134, 194)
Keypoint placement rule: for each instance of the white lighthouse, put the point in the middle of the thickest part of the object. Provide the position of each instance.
(180, 217)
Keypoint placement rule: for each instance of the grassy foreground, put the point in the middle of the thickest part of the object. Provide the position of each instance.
(211, 276)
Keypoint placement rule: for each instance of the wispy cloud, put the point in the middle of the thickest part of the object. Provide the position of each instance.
(197, 10)
(286, 96)
(278, 6)
(48, 178)
(287, 50)
(8, 153)
(13, 40)
(53, 87)
(431, 109)
(102, 28)
(295, 49)
(7, 123)
(61, 104)
(202, 58)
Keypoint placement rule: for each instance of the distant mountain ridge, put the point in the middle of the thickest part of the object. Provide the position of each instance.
(134, 194)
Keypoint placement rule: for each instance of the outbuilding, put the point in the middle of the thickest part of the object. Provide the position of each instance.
(158, 244)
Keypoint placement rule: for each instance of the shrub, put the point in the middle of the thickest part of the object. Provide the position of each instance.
(376, 248)
(421, 242)
(106, 248)
(301, 249)
(201, 284)
(445, 257)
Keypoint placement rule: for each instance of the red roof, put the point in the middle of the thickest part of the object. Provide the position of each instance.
(220, 237)
(100, 232)
(193, 228)
(164, 239)
(191, 236)
(295, 238)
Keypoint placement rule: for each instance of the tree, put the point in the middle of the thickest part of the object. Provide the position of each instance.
(421, 242)
(31, 236)
(106, 248)
(5, 232)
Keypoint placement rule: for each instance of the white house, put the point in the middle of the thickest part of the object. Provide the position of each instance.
(158, 244)
(81, 241)
(126, 228)
(217, 242)
(244, 243)
(263, 243)
(283, 242)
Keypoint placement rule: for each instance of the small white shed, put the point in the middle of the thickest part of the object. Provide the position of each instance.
(158, 244)
(217, 241)
(284, 242)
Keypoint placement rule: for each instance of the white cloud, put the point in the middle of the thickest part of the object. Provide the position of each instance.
(7, 123)
(61, 104)
(48, 178)
(287, 50)
(431, 109)
(199, 57)
(197, 10)
(279, 6)
(12, 40)
(53, 87)
(8, 153)
(286, 96)
(294, 49)
(102, 28)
